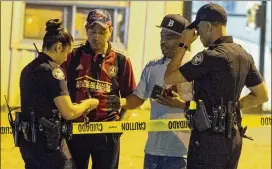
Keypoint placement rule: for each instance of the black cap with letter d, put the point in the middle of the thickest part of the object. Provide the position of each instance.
(174, 23)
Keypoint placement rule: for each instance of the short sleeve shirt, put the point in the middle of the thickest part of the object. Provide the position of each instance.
(41, 81)
(163, 143)
(221, 71)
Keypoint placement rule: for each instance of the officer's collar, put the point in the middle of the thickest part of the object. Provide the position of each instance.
(44, 56)
(88, 49)
(223, 39)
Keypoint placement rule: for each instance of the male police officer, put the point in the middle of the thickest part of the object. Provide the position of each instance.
(219, 74)
(99, 70)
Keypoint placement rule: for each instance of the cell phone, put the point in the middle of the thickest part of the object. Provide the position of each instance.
(157, 90)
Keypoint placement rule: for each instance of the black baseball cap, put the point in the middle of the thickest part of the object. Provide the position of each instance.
(210, 13)
(99, 16)
(174, 23)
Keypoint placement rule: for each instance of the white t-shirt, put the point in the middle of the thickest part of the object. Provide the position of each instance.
(164, 143)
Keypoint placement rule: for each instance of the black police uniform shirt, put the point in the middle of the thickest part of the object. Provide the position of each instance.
(41, 81)
(221, 71)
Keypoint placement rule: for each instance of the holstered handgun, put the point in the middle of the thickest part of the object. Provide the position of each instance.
(200, 118)
(52, 132)
(197, 116)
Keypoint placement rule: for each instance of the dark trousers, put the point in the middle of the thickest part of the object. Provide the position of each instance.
(209, 150)
(36, 156)
(103, 148)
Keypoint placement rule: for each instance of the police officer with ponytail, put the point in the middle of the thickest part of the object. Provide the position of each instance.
(46, 105)
(219, 74)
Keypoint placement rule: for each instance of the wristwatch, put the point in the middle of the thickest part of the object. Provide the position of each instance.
(183, 45)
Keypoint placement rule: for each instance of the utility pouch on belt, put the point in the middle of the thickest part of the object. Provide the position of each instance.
(219, 119)
(17, 129)
(52, 132)
(230, 116)
(67, 129)
(200, 118)
(33, 127)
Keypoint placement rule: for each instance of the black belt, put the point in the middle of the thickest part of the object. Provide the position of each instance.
(211, 118)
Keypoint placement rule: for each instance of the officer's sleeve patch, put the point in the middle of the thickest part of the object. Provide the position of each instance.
(58, 73)
(197, 59)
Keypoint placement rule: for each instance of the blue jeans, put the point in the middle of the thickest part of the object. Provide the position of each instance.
(164, 162)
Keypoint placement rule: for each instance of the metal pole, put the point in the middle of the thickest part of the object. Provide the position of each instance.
(187, 10)
(262, 21)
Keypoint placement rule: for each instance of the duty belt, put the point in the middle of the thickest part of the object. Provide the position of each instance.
(222, 120)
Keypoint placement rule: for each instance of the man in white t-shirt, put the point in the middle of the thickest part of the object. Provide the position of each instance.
(164, 149)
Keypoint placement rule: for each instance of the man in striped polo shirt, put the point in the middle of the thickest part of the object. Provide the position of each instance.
(95, 69)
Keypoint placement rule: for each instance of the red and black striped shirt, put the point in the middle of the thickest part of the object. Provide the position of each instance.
(100, 75)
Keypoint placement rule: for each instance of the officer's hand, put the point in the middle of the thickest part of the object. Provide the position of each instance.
(188, 36)
(172, 101)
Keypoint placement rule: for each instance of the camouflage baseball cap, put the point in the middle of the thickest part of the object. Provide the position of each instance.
(99, 16)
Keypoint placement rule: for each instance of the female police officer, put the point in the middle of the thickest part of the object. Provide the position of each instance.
(44, 99)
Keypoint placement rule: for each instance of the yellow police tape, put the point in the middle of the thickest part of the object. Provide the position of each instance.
(147, 125)
(154, 125)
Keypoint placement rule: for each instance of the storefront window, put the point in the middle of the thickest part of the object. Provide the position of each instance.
(36, 17)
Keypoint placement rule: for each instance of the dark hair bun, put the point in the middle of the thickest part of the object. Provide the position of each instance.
(53, 25)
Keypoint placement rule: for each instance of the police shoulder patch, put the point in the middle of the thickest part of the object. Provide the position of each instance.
(197, 59)
(58, 73)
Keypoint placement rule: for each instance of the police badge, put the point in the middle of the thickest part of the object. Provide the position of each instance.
(198, 59)
(58, 73)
